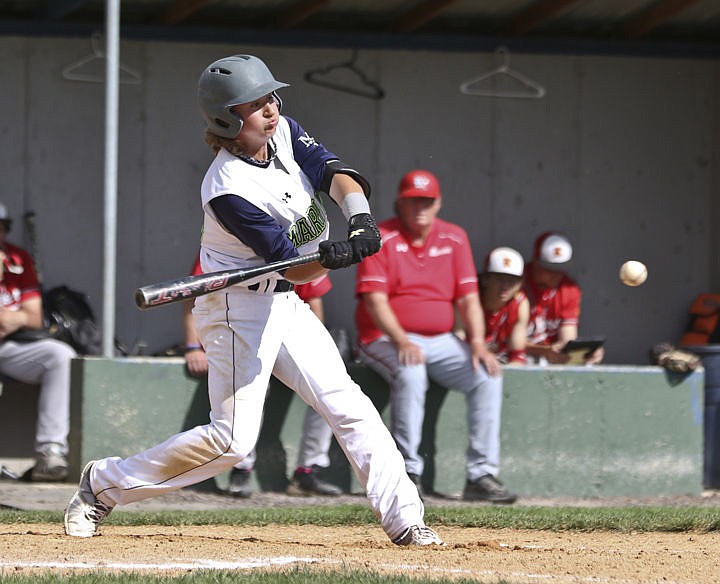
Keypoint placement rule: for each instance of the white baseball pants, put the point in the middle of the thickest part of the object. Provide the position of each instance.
(248, 336)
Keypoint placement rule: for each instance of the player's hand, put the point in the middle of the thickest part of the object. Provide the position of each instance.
(364, 236)
(595, 357)
(10, 321)
(482, 355)
(336, 254)
(555, 356)
(410, 354)
(196, 361)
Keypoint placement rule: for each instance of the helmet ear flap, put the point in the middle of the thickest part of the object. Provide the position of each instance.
(223, 124)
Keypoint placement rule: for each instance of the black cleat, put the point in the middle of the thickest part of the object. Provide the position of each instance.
(240, 483)
(306, 482)
(488, 488)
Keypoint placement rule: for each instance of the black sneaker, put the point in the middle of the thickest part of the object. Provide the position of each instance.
(306, 482)
(50, 465)
(417, 481)
(488, 488)
(240, 483)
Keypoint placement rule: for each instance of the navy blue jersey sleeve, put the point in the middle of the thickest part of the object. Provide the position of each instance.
(255, 228)
(310, 155)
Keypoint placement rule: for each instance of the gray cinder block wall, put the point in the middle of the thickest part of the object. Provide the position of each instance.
(619, 154)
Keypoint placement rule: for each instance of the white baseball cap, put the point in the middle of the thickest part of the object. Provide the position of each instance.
(504, 260)
(3, 212)
(553, 251)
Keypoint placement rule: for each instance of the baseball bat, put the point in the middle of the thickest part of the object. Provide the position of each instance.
(192, 286)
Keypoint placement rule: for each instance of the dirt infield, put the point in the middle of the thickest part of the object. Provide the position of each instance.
(485, 555)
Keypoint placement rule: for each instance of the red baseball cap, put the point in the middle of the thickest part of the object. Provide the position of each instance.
(419, 183)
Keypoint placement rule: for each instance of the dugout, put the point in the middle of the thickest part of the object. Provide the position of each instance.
(566, 431)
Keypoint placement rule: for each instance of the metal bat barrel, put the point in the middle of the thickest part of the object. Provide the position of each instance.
(188, 287)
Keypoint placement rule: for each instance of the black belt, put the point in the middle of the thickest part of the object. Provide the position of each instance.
(280, 286)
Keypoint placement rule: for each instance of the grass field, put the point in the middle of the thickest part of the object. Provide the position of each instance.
(626, 518)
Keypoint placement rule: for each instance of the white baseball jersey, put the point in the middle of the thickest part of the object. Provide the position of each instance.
(282, 190)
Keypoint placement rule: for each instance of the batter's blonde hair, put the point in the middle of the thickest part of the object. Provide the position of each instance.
(217, 143)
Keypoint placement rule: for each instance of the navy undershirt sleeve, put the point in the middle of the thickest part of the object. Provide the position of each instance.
(254, 227)
(310, 155)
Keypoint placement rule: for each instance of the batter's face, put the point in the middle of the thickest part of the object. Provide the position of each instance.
(417, 213)
(260, 120)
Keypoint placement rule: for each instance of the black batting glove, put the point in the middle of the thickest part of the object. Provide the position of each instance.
(336, 254)
(364, 236)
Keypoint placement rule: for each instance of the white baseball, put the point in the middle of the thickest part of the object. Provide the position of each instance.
(633, 273)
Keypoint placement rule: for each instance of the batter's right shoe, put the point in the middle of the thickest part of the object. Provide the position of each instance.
(85, 511)
(416, 535)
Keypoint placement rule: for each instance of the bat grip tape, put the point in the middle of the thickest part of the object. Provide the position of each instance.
(280, 286)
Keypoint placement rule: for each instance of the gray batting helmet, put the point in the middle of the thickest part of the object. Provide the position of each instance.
(231, 81)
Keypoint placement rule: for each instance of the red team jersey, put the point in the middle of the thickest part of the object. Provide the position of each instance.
(315, 289)
(499, 327)
(551, 308)
(19, 280)
(421, 282)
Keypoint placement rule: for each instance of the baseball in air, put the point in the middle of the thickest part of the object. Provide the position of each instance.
(633, 273)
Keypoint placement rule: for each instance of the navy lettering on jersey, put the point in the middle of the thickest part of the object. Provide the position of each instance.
(310, 155)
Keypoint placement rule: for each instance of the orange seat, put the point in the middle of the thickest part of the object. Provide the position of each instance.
(705, 315)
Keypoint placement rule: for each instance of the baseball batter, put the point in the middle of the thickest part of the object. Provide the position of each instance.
(261, 203)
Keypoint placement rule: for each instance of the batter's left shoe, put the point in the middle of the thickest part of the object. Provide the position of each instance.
(416, 535)
(85, 511)
(488, 488)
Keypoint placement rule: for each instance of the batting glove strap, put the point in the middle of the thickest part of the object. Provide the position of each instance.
(336, 254)
(364, 236)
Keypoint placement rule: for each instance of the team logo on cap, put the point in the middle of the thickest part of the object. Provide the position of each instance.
(421, 182)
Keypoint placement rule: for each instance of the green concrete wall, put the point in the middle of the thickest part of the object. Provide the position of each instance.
(574, 431)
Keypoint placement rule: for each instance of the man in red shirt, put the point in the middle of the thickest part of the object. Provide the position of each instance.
(554, 301)
(45, 361)
(407, 295)
(505, 306)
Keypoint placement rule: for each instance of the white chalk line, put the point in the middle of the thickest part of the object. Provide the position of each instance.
(257, 563)
(246, 564)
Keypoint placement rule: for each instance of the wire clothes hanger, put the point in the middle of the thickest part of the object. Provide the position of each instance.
(86, 69)
(330, 77)
(530, 88)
